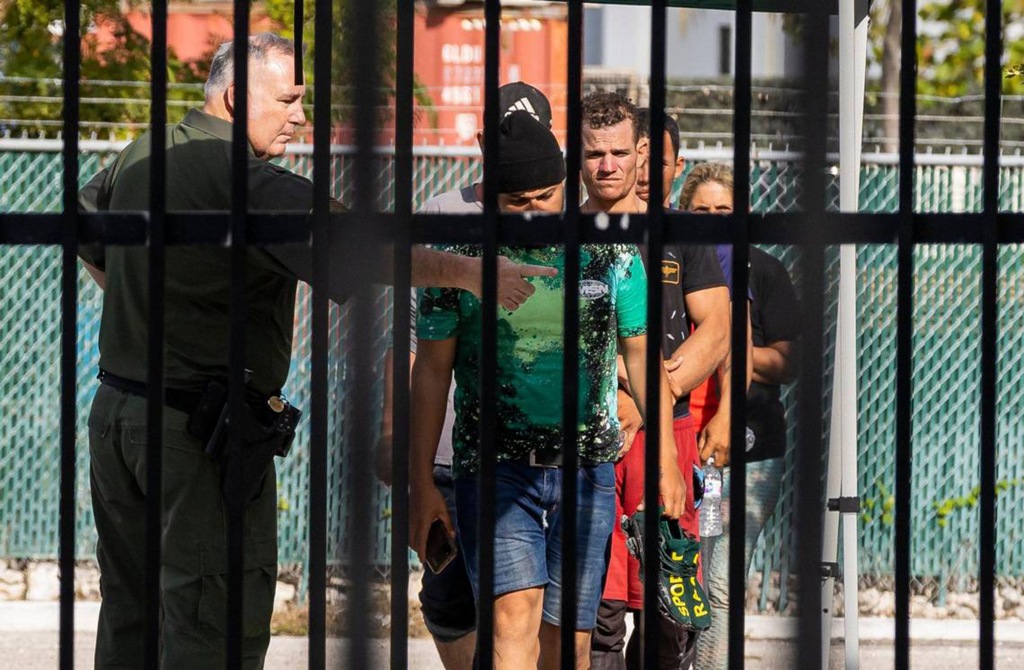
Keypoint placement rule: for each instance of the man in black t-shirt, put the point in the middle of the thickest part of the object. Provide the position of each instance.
(694, 298)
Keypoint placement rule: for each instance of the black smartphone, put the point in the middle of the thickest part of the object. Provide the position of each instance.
(441, 549)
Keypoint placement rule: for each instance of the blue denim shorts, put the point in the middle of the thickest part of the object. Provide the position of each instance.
(528, 538)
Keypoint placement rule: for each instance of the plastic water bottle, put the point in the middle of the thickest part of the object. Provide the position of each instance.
(711, 507)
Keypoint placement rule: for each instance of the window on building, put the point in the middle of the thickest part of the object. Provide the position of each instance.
(725, 50)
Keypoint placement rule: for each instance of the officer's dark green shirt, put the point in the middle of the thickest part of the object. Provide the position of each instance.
(197, 299)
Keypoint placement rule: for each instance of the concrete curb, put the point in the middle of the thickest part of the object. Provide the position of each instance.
(884, 630)
(37, 617)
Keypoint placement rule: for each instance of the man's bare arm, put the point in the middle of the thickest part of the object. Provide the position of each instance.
(703, 351)
(431, 379)
(775, 363)
(714, 440)
(385, 443)
(437, 268)
(98, 276)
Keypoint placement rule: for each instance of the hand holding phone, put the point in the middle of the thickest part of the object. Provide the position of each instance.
(441, 549)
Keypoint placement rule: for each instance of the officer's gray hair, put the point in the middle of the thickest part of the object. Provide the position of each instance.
(222, 67)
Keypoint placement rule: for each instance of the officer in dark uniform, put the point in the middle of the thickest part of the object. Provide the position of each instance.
(197, 304)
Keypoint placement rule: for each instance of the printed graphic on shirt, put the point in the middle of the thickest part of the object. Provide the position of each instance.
(670, 272)
(613, 303)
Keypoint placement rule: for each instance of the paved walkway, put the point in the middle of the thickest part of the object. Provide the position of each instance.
(28, 641)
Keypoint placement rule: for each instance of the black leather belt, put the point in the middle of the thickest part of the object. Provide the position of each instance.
(183, 401)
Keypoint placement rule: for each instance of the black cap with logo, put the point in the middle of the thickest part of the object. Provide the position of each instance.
(521, 97)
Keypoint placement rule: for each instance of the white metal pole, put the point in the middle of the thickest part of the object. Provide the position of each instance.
(843, 440)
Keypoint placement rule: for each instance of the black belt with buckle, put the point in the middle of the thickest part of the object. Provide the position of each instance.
(183, 401)
(545, 459)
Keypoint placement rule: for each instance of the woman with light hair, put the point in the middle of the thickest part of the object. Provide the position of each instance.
(774, 328)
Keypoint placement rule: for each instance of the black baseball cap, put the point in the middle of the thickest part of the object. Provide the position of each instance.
(521, 97)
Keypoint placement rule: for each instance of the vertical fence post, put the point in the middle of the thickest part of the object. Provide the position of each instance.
(655, 290)
(320, 313)
(902, 527)
(155, 344)
(571, 333)
(69, 331)
(404, 81)
(989, 325)
(489, 337)
(366, 81)
(237, 320)
(809, 505)
(740, 304)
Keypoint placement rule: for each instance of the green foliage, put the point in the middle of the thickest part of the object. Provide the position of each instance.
(343, 51)
(946, 507)
(951, 47)
(950, 44)
(31, 46)
(343, 56)
(880, 506)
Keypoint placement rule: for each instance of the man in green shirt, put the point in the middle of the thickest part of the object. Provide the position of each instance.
(197, 304)
(528, 539)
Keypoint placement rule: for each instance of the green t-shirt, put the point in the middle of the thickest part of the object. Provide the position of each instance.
(613, 303)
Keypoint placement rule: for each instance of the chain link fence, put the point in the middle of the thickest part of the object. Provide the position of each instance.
(946, 369)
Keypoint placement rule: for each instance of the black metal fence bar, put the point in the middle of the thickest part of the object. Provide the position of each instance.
(298, 24)
(404, 80)
(155, 335)
(738, 347)
(237, 339)
(366, 81)
(989, 333)
(904, 336)
(320, 310)
(809, 503)
(129, 228)
(571, 347)
(813, 228)
(655, 251)
(69, 331)
(489, 335)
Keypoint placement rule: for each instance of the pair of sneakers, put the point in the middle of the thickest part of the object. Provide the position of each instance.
(680, 596)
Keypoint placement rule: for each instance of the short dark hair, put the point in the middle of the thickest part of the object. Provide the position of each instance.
(643, 116)
(606, 108)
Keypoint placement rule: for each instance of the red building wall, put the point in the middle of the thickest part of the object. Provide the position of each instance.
(449, 63)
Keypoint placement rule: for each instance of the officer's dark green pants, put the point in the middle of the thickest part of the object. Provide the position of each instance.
(194, 567)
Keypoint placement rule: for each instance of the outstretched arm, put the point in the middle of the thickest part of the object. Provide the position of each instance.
(437, 268)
